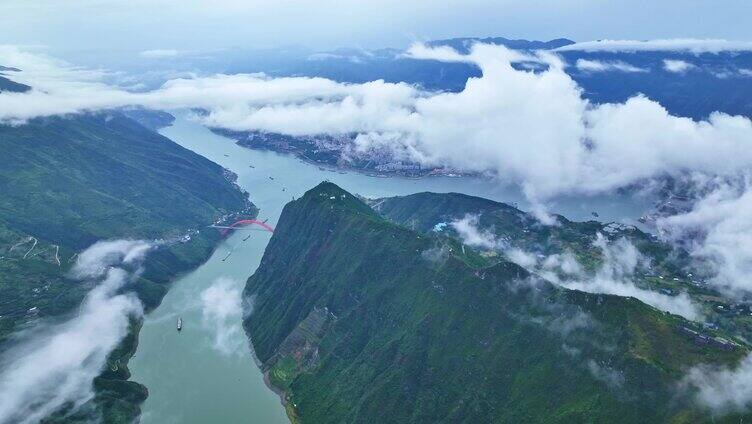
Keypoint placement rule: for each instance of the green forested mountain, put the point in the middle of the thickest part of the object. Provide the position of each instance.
(358, 319)
(517, 229)
(67, 182)
(669, 269)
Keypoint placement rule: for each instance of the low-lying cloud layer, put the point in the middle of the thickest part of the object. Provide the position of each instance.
(677, 66)
(720, 230)
(532, 128)
(723, 389)
(615, 275)
(468, 231)
(691, 45)
(222, 312)
(605, 66)
(54, 366)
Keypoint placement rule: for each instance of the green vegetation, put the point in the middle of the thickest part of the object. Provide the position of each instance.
(670, 270)
(283, 372)
(412, 328)
(69, 182)
(422, 211)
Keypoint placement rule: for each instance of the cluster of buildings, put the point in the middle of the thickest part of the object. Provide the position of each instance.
(707, 340)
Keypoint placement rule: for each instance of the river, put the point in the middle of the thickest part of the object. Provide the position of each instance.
(189, 379)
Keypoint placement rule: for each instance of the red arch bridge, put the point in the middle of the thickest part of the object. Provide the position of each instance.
(245, 224)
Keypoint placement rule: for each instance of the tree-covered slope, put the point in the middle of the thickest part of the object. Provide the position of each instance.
(517, 229)
(664, 268)
(75, 180)
(69, 182)
(359, 319)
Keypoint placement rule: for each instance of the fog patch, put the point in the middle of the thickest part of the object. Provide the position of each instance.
(689, 45)
(54, 366)
(613, 378)
(606, 66)
(566, 325)
(222, 311)
(722, 389)
(522, 258)
(620, 260)
(469, 233)
(95, 261)
(718, 232)
(677, 66)
(437, 254)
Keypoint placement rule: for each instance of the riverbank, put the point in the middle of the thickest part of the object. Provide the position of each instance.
(231, 390)
(308, 150)
(115, 387)
(283, 396)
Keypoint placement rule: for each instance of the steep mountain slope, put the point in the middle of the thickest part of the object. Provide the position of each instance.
(358, 319)
(512, 227)
(666, 269)
(69, 182)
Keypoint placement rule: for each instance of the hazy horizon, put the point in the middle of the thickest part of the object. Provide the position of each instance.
(80, 29)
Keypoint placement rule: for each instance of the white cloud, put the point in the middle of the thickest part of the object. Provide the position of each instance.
(605, 66)
(222, 312)
(521, 258)
(159, 53)
(440, 53)
(723, 389)
(95, 261)
(533, 129)
(677, 66)
(620, 260)
(55, 365)
(468, 231)
(720, 227)
(691, 45)
(530, 128)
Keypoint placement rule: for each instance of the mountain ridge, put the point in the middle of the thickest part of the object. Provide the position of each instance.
(375, 316)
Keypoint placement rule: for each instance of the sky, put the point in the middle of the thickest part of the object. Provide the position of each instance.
(74, 28)
(533, 129)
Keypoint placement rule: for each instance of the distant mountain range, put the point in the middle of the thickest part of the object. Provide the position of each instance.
(10, 85)
(687, 84)
(463, 44)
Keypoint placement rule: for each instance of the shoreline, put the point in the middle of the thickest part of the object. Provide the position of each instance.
(289, 409)
(124, 361)
(326, 166)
